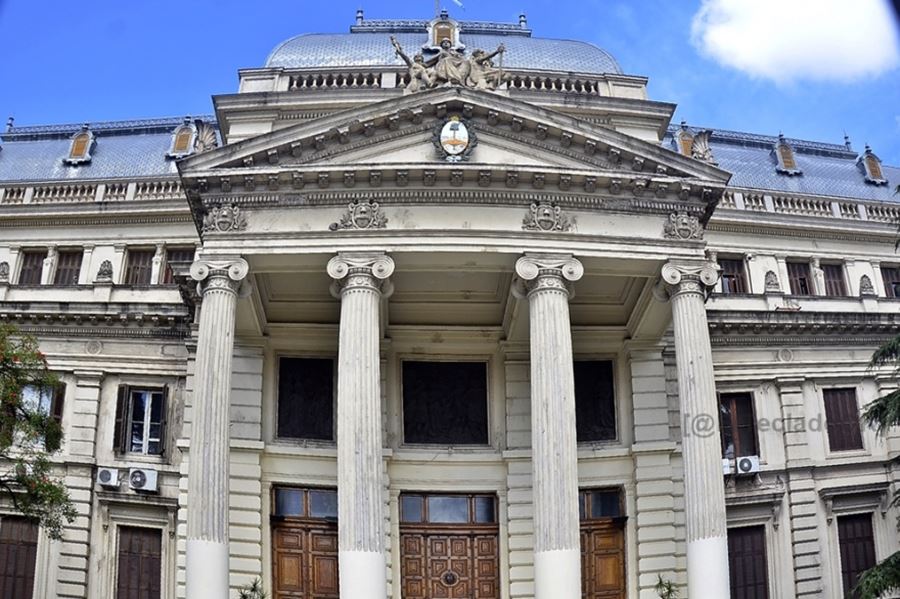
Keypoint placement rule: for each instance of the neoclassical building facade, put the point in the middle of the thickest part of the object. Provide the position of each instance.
(441, 309)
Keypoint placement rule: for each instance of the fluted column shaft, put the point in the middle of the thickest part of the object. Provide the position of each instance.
(546, 280)
(207, 507)
(704, 491)
(360, 280)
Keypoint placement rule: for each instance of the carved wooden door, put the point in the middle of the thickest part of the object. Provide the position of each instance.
(602, 560)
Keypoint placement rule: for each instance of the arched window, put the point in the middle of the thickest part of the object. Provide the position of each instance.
(81, 146)
(684, 140)
(784, 157)
(870, 165)
(182, 140)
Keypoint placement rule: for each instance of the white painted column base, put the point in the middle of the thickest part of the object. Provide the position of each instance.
(207, 569)
(707, 568)
(557, 574)
(362, 574)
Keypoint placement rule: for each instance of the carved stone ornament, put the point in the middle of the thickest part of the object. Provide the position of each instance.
(4, 272)
(221, 275)
(546, 272)
(361, 215)
(105, 272)
(205, 138)
(361, 272)
(454, 139)
(546, 217)
(772, 284)
(689, 277)
(224, 219)
(681, 225)
(700, 149)
(451, 66)
(865, 286)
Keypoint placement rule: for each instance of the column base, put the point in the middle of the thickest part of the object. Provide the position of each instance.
(707, 568)
(362, 574)
(207, 569)
(557, 574)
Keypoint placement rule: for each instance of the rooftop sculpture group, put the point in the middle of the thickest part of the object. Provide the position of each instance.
(452, 67)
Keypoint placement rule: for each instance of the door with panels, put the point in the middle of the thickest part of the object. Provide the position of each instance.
(602, 544)
(449, 546)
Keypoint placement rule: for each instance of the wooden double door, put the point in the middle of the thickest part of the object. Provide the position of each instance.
(305, 560)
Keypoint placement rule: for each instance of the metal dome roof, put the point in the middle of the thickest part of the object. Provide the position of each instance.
(369, 49)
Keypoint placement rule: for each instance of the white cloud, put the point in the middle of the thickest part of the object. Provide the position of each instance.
(795, 40)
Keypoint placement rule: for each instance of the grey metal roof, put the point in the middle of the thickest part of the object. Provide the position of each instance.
(123, 149)
(827, 169)
(374, 49)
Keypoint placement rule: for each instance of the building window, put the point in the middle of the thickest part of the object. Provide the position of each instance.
(306, 398)
(870, 164)
(857, 547)
(891, 276)
(738, 425)
(747, 562)
(842, 416)
(176, 256)
(799, 278)
(68, 267)
(182, 140)
(834, 280)
(139, 563)
(18, 549)
(445, 403)
(32, 267)
(139, 267)
(734, 279)
(784, 155)
(595, 400)
(448, 509)
(602, 543)
(81, 146)
(141, 420)
(50, 402)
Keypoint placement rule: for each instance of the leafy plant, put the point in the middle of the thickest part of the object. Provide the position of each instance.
(29, 435)
(252, 590)
(666, 588)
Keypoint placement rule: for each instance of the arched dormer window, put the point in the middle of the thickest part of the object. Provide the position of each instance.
(182, 140)
(784, 157)
(81, 147)
(870, 165)
(684, 140)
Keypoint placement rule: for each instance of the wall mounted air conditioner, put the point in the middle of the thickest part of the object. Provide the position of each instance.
(108, 477)
(747, 465)
(143, 480)
(727, 466)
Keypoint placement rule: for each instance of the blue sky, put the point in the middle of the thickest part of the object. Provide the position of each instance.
(813, 72)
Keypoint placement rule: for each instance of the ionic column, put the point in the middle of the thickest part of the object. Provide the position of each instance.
(546, 281)
(360, 283)
(704, 491)
(207, 511)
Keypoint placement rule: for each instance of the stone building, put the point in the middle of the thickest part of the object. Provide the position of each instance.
(444, 309)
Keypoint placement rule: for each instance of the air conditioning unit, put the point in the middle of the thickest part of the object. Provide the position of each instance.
(727, 466)
(143, 480)
(108, 477)
(748, 464)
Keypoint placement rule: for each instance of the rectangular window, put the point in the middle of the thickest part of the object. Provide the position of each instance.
(738, 425)
(747, 562)
(734, 279)
(891, 276)
(842, 416)
(834, 280)
(32, 267)
(49, 401)
(141, 420)
(139, 563)
(857, 546)
(445, 403)
(595, 400)
(139, 267)
(68, 267)
(18, 557)
(448, 509)
(306, 398)
(799, 278)
(176, 256)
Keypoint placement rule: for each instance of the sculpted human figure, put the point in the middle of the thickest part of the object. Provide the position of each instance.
(450, 65)
(419, 75)
(482, 72)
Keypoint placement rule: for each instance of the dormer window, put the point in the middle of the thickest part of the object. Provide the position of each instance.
(81, 146)
(182, 140)
(684, 140)
(784, 156)
(871, 167)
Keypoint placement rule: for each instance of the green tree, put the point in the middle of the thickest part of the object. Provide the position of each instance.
(29, 435)
(882, 415)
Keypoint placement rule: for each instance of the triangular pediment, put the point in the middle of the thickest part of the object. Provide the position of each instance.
(399, 135)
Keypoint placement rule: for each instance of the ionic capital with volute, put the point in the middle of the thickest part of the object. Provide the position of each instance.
(353, 271)
(546, 272)
(220, 275)
(689, 277)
